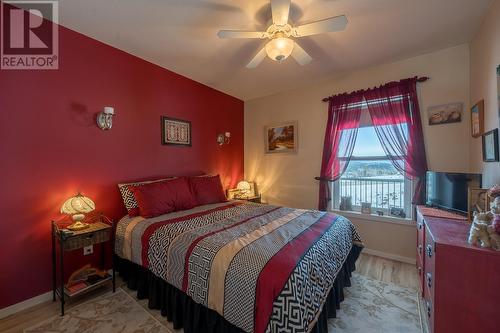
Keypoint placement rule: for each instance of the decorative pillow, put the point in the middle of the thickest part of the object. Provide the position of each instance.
(160, 198)
(128, 197)
(207, 189)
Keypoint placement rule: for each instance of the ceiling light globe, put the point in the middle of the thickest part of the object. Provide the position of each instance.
(280, 48)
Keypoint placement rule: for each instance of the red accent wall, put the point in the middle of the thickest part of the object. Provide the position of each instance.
(51, 147)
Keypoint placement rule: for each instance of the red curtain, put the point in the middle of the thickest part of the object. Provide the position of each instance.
(344, 112)
(395, 115)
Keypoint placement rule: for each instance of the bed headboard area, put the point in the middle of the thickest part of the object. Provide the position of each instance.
(60, 139)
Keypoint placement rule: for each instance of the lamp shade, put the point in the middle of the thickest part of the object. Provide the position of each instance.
(279, 48)
(77, 206)
(243, 186)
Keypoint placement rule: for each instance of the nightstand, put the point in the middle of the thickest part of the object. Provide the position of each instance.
(256, 199)
(100, 230)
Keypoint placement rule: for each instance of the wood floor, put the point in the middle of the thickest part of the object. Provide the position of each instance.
(386, 270)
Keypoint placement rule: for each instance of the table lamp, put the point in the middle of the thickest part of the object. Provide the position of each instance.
(244, 189)
(77, 207)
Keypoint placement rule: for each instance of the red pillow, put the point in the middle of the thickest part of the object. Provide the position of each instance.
(207, 189)
(163, 197)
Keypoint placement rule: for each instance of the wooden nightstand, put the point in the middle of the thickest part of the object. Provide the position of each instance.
(99, 231)
(256, 199)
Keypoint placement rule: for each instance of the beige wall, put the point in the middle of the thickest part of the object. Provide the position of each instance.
(288, 179)
(485, 57)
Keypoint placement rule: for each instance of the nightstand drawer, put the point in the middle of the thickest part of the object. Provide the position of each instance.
(86, 239)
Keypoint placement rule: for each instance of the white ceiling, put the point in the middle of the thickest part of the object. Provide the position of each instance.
(180, 35)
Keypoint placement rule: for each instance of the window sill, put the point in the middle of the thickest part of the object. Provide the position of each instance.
(375, 218)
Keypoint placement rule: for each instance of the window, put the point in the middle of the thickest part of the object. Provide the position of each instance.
(371, 177)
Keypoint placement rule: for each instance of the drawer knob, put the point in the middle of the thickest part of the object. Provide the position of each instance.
(419, 270)
(429, 251)
(428, 305)
(419, 248)
(419, 226)
(429, 279)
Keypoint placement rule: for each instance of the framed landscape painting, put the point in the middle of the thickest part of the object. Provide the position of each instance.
(477, 119)
(175, 132)
(281, 138)
(445, 114)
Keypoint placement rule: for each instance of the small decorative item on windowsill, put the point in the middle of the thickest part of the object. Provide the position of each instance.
(345, 203)
(366, 207)
(397, 212)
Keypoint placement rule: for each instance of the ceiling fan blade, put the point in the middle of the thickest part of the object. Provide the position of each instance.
(257, 59)
(300, 55)
(337, 23)
(241, 34)
(280, 10)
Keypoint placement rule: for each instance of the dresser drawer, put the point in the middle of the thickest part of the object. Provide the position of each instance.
(420, 236)
(428, 310)
(429, 262)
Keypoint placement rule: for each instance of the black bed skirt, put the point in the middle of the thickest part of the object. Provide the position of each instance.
(185, 313)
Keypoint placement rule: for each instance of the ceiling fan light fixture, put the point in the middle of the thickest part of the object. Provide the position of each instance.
(279, 48)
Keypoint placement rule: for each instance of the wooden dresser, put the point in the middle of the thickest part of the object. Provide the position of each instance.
(460, 283)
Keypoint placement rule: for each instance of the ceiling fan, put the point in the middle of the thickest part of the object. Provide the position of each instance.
(280, 34)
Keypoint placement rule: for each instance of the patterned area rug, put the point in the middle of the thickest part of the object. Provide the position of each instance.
(374, 306)
(109, 313)
(370, 306)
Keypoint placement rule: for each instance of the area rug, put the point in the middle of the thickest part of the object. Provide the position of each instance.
(110, 313)
(372, 306)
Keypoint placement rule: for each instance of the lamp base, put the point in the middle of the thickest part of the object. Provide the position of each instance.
(78, 226)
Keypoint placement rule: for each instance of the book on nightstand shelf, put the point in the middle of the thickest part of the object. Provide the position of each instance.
(72, 289)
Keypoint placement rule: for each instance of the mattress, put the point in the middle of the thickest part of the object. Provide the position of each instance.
(263, 268)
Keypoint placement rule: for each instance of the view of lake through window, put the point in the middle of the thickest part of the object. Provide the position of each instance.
(370, 176)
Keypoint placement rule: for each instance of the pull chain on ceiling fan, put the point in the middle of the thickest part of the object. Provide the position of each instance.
(281, 34)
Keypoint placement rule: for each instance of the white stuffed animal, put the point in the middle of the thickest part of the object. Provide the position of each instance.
(478, 234)
(495, 206)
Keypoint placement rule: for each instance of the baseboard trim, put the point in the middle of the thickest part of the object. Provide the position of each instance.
(14, 308)
(391, 256)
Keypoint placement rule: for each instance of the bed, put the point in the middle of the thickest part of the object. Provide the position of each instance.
(239, 266)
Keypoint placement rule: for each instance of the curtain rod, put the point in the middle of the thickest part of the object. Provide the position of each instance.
(419, 79)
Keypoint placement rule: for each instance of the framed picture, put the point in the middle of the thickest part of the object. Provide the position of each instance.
(498, 93)
(477, 201)
(477, 119)
(490, 146)
(175, 132)
(281, 138)
(445, 114)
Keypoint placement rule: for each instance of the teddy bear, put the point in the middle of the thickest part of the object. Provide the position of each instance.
(479, 235)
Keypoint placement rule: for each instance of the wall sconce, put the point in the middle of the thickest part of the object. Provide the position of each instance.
(105, 118)
(223, 138)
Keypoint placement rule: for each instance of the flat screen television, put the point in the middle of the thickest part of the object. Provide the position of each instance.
(449, 191)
